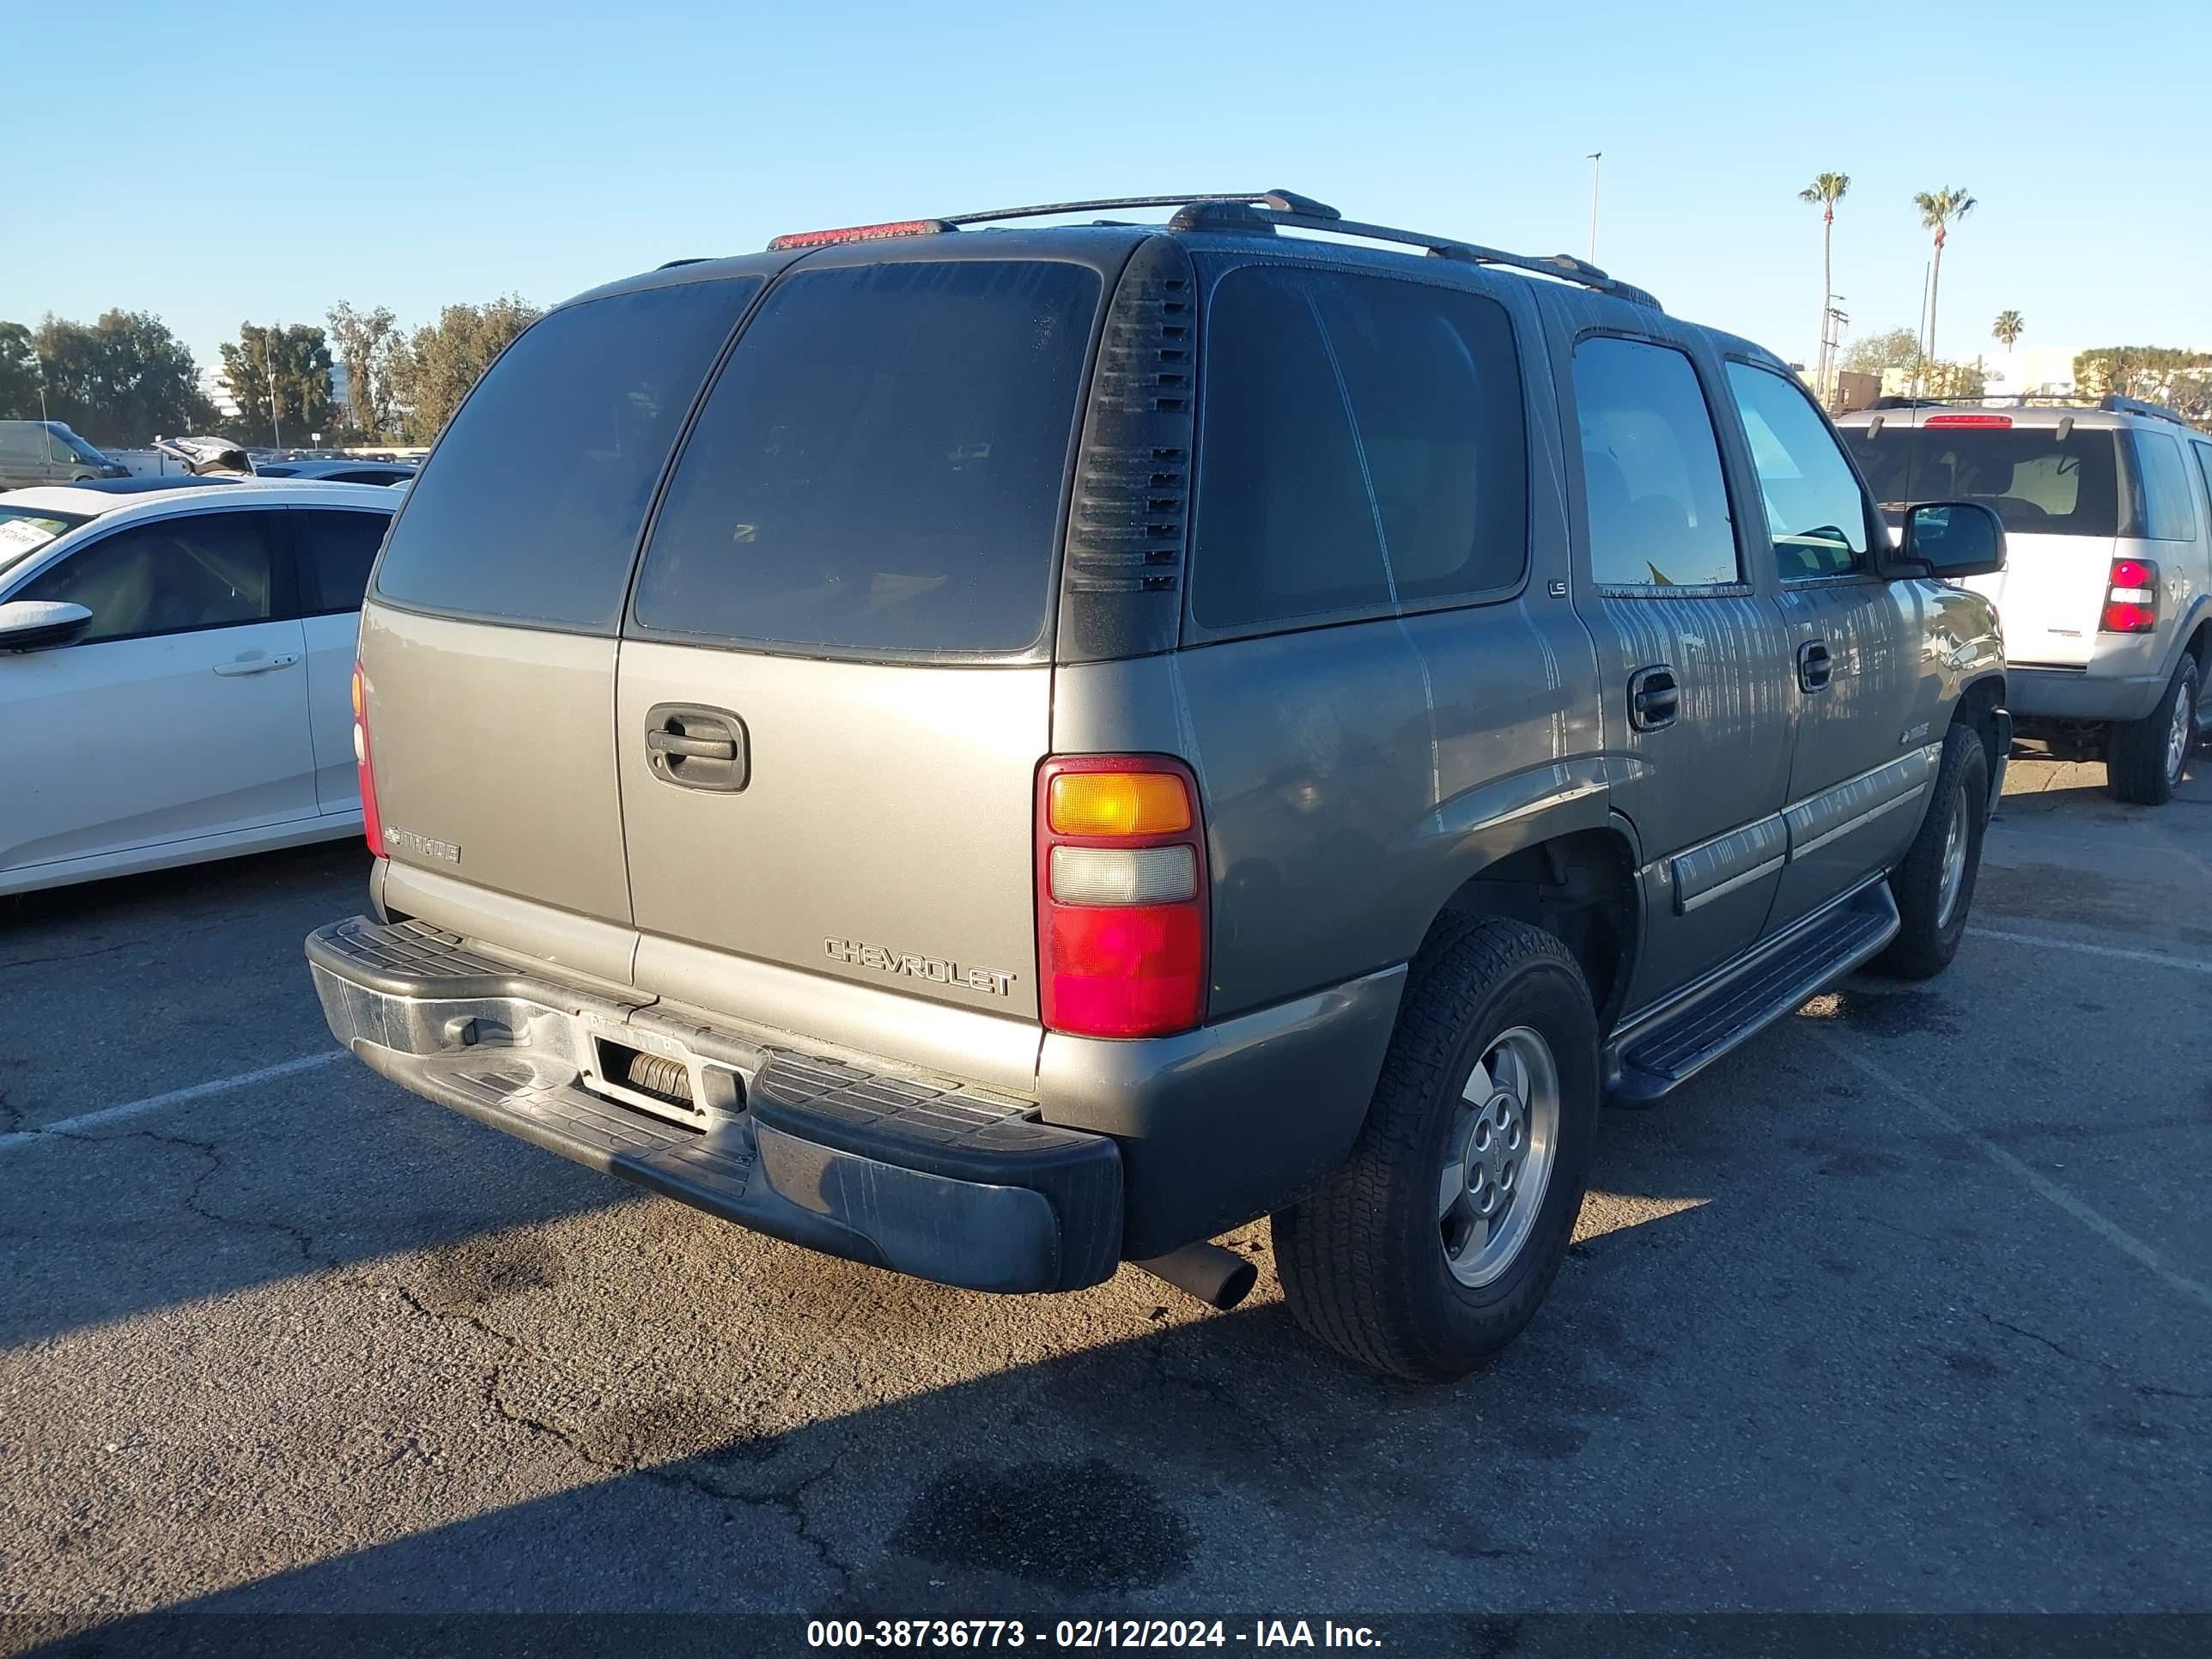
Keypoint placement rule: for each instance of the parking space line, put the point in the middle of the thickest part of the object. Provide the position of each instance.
(2097, 1222)
(106, 1115)
(2156, 959)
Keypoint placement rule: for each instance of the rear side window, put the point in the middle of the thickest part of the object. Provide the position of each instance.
(335, 550)
(879, 468)
(1651, 469)
(1364, 447)
(530, 510)
(2039, 483)
(2169, 506)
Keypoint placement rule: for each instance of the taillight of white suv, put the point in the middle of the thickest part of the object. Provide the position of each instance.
(2130, 598)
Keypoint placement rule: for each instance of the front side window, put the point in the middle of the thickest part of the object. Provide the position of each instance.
(336, 550)
(2169, 506)
(1364, 447)
(173, 576)
(1815, 511)
(1651, 469)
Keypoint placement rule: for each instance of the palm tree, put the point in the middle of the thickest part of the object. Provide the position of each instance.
(1827, 189)
(2008, 328)
(1938, 208)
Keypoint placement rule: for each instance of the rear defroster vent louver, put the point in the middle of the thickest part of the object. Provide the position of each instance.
(1129, 523)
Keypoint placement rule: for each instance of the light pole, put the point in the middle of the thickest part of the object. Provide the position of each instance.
(1596, 159)
(269, 366)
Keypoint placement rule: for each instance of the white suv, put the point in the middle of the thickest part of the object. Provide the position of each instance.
(2107, 595)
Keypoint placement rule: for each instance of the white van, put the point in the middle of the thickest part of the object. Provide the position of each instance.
(2106, 593)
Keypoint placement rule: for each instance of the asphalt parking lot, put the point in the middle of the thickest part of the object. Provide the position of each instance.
(1904, 1307)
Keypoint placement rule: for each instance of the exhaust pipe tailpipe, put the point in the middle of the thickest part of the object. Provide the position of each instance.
(1220, 1278)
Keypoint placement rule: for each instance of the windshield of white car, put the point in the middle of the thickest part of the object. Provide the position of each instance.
(24, 530)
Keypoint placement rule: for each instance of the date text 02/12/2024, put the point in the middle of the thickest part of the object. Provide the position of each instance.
(1087, 1633)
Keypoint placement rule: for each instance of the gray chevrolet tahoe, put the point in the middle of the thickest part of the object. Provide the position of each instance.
(993, 753)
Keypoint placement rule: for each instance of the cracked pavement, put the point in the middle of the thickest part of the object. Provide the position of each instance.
(312, 1344)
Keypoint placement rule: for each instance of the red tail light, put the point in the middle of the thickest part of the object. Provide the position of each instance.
(372, 823)
(1968, 420)
(2130, 598)
(1121, 896)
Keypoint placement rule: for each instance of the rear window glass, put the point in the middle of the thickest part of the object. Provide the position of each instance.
(2169, 506)
(1364, 447)
(879, 468)
(1658, 499)
(2039, 483)
(530, 510)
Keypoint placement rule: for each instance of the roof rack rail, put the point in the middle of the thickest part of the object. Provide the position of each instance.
(1216, 215)
(2111, 403)
(1255, 210)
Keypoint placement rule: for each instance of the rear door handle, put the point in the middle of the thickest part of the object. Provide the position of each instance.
(1654, 698)
(1815, 668)
(697, 748)
(257, 664)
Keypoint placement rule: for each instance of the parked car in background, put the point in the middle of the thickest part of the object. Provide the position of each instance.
(339, 471)
(47, 451)
(2107, 595)
(1112, 732)
(174, 672)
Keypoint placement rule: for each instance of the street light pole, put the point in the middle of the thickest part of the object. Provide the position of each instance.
(1596, 159)
(268, 365)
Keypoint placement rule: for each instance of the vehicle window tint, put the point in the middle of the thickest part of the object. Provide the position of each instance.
(879, 468)
(203, 570)
(2169, 506)
(2204, 463)
(1815, 510)
(336, 550)
(1364, 445)
(530, 510)
(1651, 469)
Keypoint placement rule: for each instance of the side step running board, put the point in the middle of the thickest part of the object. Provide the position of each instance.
(1661, 1052)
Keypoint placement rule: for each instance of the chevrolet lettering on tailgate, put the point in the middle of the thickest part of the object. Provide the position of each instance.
(884, 960)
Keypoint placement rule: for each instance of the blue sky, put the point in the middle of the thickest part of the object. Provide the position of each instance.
(389, 154)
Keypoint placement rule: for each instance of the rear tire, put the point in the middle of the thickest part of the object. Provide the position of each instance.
(1933, 885)
(1414, 1256)
(2144, 760)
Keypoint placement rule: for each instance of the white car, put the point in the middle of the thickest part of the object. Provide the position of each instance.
(176, 673)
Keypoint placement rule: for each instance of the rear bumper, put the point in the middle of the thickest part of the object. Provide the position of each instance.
(2061, 694)
(924, 1176)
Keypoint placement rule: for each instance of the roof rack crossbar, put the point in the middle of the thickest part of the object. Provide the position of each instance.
(1282, 200)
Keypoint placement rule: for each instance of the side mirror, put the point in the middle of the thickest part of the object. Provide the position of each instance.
(1951, 540)
(36, 624)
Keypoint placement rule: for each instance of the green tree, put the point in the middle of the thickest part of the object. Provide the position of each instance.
(1892, 348)
(365, 341)
(19, 375)
(280, 378)
(1827, 189)
(430, 376)
(1938, 208)
(2165, 374)
(2008, 328)
(122, 380)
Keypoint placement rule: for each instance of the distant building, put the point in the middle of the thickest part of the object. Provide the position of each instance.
(216, 391)
(2048, 369)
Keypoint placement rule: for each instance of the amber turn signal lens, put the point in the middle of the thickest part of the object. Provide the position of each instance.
(1118, 803)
